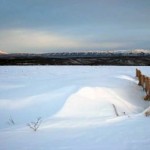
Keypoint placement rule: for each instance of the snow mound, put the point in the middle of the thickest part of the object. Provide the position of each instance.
(94, 102)
(147, 112)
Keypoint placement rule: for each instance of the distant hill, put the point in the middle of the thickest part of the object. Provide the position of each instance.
(110, 57)
(86, 53)
(2, 52)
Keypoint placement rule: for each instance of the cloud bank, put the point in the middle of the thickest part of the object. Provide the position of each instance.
(67, 25)
(27, 40)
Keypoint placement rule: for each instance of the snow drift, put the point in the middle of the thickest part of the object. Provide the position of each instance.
(95, 102)
(76, 106)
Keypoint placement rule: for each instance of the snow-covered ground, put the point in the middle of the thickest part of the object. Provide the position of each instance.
(76, 104)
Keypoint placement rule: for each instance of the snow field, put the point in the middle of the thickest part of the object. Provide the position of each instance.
(76, 106)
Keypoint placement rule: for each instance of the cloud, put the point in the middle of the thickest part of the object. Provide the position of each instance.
(30, 39)
(27, 40)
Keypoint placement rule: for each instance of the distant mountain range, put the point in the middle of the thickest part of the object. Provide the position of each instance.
(109, 57)
(95, 53)
(2, 52)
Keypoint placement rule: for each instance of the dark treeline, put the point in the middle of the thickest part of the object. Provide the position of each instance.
(111, 60)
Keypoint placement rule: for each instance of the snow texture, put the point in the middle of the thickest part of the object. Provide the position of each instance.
(76, 107)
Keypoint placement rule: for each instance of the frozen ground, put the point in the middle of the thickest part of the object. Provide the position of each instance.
(76, 106)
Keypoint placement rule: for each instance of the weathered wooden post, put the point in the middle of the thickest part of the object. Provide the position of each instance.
(142, 81)
(140, 78)
(137, 72)
(147, 89)
(146, 84)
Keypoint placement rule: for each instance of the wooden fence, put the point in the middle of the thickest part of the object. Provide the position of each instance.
(144, 81)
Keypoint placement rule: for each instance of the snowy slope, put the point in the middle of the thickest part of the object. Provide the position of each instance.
(90, 53)
(76, 106)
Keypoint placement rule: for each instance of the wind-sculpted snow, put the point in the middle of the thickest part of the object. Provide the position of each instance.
(76, 105)
(95, 102)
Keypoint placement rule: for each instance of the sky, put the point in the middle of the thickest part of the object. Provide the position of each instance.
(39, 26)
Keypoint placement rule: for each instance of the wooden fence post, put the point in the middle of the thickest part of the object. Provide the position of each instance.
(147, 89)
(142, 81)
(146, 84)
(140, 78)
(137, 72)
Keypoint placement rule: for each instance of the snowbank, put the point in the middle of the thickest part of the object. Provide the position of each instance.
(77, 108)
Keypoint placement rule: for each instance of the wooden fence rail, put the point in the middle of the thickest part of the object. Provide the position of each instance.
(144, 81)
